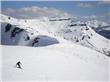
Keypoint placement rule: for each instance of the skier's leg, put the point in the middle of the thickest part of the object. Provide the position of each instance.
(20, 66)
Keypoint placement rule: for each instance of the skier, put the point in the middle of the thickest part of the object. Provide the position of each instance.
(18, 64)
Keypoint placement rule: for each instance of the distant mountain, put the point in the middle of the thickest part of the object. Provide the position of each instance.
(46, 31)
(101, 27)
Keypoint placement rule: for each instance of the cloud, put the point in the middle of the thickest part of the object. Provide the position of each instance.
(85, 5)
(35, 12)
(93, 4)
(108, 14)
(102, 17)
(104, 2)
(90, 17)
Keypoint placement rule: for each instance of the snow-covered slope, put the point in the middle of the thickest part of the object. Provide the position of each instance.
(62, 50)
(35, 32)
(100, 27)
(84, 35)
(14, 33)
(96, 23)
(59, 62)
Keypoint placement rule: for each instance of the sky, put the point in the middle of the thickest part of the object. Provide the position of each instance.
(75, 8)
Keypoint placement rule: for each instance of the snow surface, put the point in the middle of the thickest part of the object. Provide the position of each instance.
(59, 62)
(56, 56)
(76, 32)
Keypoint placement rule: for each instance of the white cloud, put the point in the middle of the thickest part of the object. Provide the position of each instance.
(104, 2)
(94, 17)
(34, 12)
(107, 14)
(93, 4)
(85, 5)
(90, 17)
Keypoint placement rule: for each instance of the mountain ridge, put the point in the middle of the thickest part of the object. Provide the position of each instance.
(65, 28)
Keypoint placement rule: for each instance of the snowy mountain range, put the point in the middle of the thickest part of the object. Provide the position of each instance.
(53, 49)
(46, 31)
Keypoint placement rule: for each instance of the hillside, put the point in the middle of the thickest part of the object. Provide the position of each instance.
(55, 49)
(31, 31)
(59, 62)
